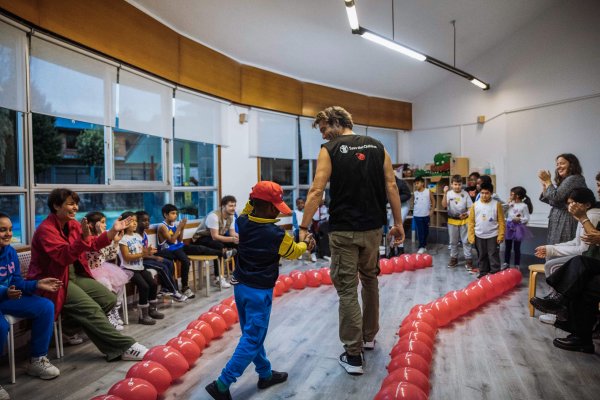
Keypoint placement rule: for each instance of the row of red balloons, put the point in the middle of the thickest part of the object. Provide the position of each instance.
(162, 365)
(300, 280)
(405, 262)
(408, 370)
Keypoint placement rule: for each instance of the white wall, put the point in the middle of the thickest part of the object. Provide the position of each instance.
(544, 100)
(238, 170)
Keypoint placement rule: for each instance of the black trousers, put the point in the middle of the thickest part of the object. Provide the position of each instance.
(209, 242)
(488, 251)
(579, 281)
(145, 284)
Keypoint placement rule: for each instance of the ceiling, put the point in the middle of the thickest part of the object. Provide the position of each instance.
(311, 40)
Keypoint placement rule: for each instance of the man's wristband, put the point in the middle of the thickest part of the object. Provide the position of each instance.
(305, 228)
(583, 221)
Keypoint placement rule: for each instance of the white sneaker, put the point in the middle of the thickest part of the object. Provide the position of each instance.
(73, 340)
(4, 394)
(116, 314)
(352, 364)
(188, 293)
(114, 320)
(369, 345)
(230, 253)
(422, 250)
(326, 258)
(549, 319)
(181, 298)
(135, 353)
(313, 257)
(42, 368)
(505, 265)
(221, 281)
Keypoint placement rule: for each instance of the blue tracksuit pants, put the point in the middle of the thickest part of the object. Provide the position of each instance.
(254, 310)
(40, 310)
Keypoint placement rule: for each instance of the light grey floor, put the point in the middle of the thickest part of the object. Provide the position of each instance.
(496, 352)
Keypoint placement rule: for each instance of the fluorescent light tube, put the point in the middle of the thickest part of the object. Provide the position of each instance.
(352, 17)
(392, 45)
(480, 84)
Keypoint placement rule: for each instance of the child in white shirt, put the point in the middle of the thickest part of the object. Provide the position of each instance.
(458, 202)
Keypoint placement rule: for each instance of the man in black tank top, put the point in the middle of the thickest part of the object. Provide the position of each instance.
(362, 181)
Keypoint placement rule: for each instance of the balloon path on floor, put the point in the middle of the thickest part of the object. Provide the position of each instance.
(408, 369)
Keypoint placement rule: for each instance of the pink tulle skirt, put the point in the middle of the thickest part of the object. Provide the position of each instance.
(518, 232)
(111, 276)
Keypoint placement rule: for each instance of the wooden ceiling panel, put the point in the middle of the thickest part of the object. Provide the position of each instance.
(272, 91)
(26, 9)
(317, 97)
(387, 113)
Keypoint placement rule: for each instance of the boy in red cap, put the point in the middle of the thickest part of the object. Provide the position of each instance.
(261, 245)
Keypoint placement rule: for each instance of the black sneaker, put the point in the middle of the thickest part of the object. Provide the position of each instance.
(276, 377)
(213, 390)
(352, 364)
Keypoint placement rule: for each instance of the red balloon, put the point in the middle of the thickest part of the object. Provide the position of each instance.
(419, 307)
(169, 358)
(295, 271)
(409, 359)
(196, 336)
(227, 313)
(326, 276)
(442, 312)
(279, 288)
(106, 397)
(419, 337)
(187, 347)
(413, 346)
(216, 322)
(401, 390)
(397, 264)
(516, 275)
(420, 262)
(426, 316)
(134, 389)
(299, 281)
(418, 326)
(455, 307)
(288, 281)
(204, 328)
(410, 375)
(313, 278)
(409, 262)
(427, 259)
(229, 301)
(386, 266)
(153, 372)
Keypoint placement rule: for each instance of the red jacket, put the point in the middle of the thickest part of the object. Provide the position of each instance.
(52, 252)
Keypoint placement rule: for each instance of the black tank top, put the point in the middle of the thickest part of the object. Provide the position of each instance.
(357, 183)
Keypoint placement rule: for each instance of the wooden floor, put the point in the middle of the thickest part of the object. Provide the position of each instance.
(496, 352)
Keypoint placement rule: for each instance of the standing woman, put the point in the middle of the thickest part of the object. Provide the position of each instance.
(561, 225)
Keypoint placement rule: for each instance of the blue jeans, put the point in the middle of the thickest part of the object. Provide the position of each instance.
(254, 310)
(422, 228)
(40, 310)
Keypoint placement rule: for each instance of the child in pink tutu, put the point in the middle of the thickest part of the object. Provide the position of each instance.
(517, 217)
(103, 270)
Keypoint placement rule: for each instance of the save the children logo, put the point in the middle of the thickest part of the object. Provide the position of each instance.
(344, 148)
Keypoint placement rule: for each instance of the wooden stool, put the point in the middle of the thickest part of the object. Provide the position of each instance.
(229, 266)
(534, 269)
(204, 262)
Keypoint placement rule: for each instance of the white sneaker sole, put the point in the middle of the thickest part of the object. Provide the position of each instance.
(351, 369)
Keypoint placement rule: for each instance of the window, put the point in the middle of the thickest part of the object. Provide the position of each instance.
(10, 137)
(277, 170)
(111, 204)
(67, 151)
(194, 163)
(195, 205)
(13, 205)
(137, 157)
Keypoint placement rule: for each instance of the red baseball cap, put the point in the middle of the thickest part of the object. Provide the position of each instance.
(271, 192)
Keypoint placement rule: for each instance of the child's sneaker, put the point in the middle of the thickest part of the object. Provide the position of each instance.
(469, 264)
(549, 319)
(313, 257)
(4, 394)
(72, 340)
(221, 281)
(481, 275)
(352, 364)
(187, 292)
(422, 250)
(453, 262)
(213, 390)
(42, 368)
(177, 296)
(135, 353)
(113, 321)
(276, 377)
(504, 266)
(230, 253)
(369, 345)
(474, 270)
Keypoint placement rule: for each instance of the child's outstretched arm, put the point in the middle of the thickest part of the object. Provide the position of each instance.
(290, 249)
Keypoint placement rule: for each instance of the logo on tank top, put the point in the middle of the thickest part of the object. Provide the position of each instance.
(360, 156)
(344, 148)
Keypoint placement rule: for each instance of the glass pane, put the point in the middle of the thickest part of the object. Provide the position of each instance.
(12, 205)
(67, 151)
(195, 205)
(111, 204)
(138, 157)
(194, 163)
(288, 197)
(9, 148)
(277, 170)
(304, 172)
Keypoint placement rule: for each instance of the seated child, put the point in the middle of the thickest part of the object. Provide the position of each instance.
(17, 298)
(132, 252)
(105, 272)
(261, 245)
(163, 266)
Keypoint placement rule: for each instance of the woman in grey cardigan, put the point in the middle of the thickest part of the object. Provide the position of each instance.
(561, 225)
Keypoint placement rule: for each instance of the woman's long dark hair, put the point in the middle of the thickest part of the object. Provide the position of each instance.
(574, 167)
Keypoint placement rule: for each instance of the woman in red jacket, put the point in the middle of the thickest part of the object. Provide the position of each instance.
(58, 250)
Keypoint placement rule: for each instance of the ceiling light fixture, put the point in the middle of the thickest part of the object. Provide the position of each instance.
(393, 45)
